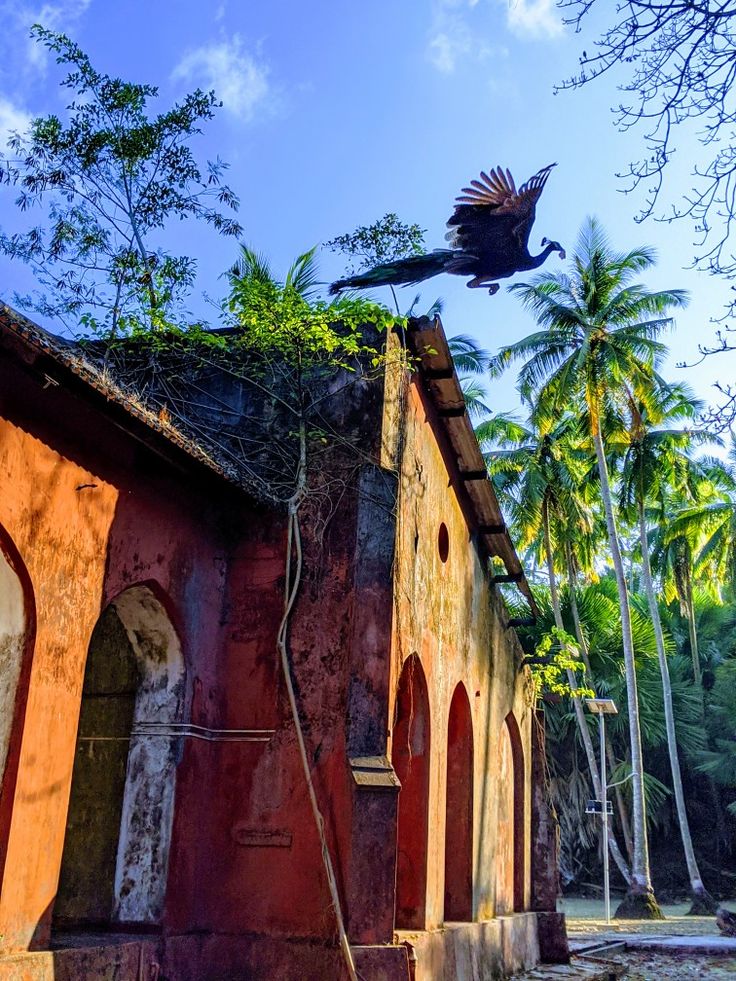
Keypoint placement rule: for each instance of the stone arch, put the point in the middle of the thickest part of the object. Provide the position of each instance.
(121, 810)
(459, 810)
(17, 636)
(410, 755)
(511, 848)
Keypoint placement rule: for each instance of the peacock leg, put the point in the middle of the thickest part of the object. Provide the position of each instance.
(478, 281)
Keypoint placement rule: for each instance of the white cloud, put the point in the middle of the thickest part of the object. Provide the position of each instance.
(461, 29)
(455, 36)
(447, 46)
(18, 18)
(536, 18)
(237, 77)
(12, 119)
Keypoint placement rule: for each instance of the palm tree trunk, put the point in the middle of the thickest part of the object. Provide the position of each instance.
(640, 902)
(694, 647)
(703, 903)
(577, 704)
(623, 811)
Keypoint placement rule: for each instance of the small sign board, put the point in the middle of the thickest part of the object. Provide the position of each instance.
(596, 807)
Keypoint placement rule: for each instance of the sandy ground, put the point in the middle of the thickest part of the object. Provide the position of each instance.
(667, 967)
(586, 916)
(585, 919)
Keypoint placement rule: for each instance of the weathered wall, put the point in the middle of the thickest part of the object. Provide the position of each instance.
(197, 578)
(90, 513)
(101, 519)
(448, 613)
(13, 629)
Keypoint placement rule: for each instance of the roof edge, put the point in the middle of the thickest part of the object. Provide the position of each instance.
(427, 341)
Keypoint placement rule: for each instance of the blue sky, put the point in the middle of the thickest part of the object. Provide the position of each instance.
(336, 113)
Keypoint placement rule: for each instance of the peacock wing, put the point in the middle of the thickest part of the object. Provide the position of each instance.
(492, 214)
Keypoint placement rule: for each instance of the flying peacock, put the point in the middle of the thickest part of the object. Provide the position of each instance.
(489, 235)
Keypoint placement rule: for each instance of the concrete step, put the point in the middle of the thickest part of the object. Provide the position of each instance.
(600, 948)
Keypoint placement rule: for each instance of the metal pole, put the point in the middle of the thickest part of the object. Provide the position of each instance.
(604, 816)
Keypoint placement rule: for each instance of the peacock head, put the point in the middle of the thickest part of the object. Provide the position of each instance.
(554, 247)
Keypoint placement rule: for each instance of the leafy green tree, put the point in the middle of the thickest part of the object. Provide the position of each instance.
(709, 526)
(600, 618)
(655, 463)
(697, 546)
(597, 344)
(110, 180)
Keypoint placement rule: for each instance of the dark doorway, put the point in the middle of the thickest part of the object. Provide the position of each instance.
(116, 849)
(459, 810)
(87, 882)
(410, 758)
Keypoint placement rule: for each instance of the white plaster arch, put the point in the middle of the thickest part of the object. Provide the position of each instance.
(13, 630)
(150, 782)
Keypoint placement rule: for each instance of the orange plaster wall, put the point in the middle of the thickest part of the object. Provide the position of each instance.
(449, 614)
(90, 513)
(40, 503)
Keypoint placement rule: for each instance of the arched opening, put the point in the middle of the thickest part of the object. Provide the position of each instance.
(410, 757)
(121, 807)
(17, 622)
(459, 810)
(511, 845)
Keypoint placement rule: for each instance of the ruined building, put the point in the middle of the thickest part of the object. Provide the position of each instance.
(155, 822)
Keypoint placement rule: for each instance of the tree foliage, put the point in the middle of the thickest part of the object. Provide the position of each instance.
(111, 179)
(289, 322)
(385, 240)
(678, 75)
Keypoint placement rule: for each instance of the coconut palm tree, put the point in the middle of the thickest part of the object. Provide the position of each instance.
(601, 625)
(533, 467)
(471, 363)
(696, 546)
(709, 525)
(655, 462)
(596, 346)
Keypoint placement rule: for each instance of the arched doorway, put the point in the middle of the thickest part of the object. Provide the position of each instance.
(410, 757)
(459, 810)
(511, 845)
(17, 622)
(121, 807)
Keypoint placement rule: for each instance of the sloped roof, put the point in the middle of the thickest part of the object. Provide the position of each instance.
(64, 361)
(83, 365)
(428, 343)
